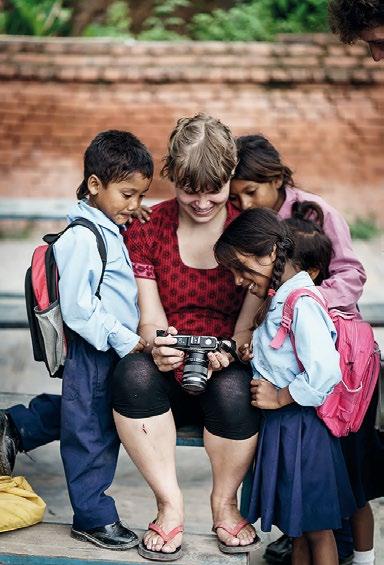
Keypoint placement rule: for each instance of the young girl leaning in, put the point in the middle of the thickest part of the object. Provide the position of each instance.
(262, 179)
(301, 483)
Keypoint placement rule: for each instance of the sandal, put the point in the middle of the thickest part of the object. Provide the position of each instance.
(233, 532)
(167, 537)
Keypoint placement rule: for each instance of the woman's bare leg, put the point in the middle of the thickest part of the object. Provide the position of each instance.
(230, 460)
(151, 444)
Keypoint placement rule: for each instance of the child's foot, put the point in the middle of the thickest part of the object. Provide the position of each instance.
(112, 536)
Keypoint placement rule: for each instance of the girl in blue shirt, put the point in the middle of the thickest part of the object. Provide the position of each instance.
(301, 484)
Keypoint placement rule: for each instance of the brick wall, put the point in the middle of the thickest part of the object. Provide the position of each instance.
(321, 103)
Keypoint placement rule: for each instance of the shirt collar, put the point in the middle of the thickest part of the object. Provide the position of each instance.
(300, 280)
(83, 210)
(290, 198)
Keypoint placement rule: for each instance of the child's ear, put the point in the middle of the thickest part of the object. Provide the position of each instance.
(313, 272)
(94, 185)
(277, 183)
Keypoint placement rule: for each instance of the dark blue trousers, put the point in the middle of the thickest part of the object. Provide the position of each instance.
(88, 439)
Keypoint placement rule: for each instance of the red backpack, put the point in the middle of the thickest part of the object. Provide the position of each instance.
(49, 334)
(344, 408)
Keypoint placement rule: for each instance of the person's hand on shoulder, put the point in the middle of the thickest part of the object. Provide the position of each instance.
(166, 357)
(143, 214)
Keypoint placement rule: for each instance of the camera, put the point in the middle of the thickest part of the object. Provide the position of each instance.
(195, 372)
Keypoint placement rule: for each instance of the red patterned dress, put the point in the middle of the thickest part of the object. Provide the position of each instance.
(196, 301)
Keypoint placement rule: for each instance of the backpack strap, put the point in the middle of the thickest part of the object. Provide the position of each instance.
(52, 238)
(288, 311)
(100, 246)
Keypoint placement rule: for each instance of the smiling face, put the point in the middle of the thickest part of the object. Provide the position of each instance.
(256, 274)
(117, 200)
(375, 38)
(246, 194)
(202, 207)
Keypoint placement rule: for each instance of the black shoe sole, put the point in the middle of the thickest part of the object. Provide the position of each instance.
(5, 466)
(82, 536)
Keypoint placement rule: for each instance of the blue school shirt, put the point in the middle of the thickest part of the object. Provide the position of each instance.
(113, 320)
(315, 337)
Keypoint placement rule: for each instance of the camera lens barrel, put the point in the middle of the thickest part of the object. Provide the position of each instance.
(195, 372)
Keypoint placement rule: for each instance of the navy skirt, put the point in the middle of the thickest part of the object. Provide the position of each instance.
(301, 483)
(364, 456)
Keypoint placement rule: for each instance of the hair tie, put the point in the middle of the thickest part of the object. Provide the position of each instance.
(271, 292)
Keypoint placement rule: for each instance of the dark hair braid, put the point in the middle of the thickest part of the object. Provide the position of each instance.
(284, 249)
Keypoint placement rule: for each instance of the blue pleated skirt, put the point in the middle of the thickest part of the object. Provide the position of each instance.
(301, 482)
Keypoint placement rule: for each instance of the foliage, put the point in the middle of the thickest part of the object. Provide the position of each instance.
(28, 17)
(364, 228)
(116, 22)
(247, 20)
(160, 25)
(261, 20)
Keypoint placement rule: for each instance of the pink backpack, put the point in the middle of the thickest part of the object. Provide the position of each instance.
(344, 408)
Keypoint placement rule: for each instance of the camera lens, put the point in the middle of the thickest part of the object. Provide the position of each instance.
(195, 372)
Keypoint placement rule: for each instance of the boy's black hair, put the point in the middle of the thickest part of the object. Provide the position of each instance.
(348, 18)
(113, 156)
(313, 248)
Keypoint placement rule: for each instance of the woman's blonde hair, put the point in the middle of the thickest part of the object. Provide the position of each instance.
(201, 154)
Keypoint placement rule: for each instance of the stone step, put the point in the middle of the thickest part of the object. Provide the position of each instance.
(51, 544)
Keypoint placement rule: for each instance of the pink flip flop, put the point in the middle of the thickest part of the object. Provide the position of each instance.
(233, 532)
(167, 537)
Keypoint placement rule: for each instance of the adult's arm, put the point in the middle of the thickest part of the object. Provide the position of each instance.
(152, 318)
(245, 321)
(347, 276)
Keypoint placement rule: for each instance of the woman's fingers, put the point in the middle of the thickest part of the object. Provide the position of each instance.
(218, 360)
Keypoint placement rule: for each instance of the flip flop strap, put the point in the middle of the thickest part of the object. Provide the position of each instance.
(167, 537)
(232, 531)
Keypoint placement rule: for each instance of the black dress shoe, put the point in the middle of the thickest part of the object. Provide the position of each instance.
(112, 536)
(9, 444)
(279, 552)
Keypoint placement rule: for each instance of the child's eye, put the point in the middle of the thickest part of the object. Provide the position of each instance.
(127, 196)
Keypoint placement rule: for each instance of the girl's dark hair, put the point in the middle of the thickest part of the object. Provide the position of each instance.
(256, 232)
(313, 248)
(259, 161)
(113, 156)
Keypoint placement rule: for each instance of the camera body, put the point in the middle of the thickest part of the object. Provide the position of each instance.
(196, 347)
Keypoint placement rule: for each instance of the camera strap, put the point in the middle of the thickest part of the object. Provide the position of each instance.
(229, 346)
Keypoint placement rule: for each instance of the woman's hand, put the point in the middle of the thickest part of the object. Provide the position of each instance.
(265, 395)
(166, 357)
(143, 214)
(218, 360)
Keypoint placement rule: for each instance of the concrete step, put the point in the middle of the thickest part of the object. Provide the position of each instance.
(51, 544)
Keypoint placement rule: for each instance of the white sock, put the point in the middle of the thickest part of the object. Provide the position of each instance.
(364, 557)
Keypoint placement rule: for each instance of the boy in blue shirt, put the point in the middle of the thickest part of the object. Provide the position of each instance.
(118, 170)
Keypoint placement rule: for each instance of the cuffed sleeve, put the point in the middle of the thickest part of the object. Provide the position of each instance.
(80, 268)
(345, 284)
